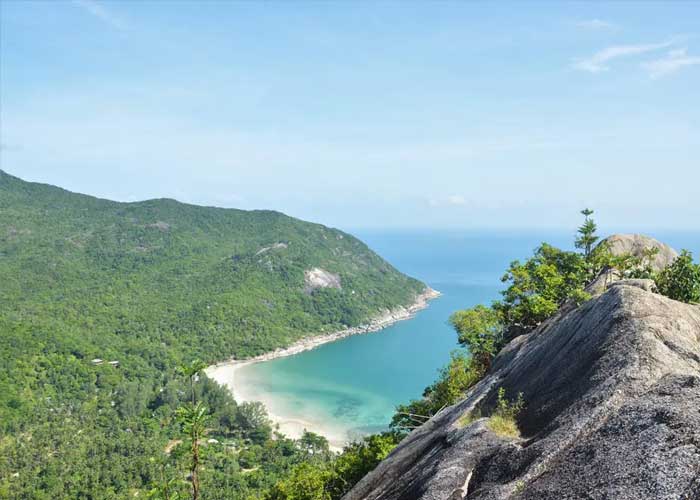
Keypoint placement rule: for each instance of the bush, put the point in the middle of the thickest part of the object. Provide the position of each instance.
(541, 285)
(503, 421)
(681, 280)
(481, 330)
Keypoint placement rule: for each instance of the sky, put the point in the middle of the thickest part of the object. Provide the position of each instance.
(363, 114)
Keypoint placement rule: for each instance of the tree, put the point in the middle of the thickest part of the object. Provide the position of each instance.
(191, 371)
(253, 420)
(481, 330)
(681, 280)
(193, 418)
(306, 482)
(313, 444)
(587, 236)
(540, 286)
(358, 459)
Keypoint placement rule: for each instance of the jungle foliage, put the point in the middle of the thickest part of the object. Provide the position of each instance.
(149, 287)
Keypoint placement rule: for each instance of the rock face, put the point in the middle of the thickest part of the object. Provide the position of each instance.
(320, 278)
(612, 394)
(635, 244)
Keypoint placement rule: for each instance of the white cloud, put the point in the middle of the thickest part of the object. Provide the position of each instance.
(596, 24)
(673, 61)
(99, 11)
(453, 200)
(456, 199)
(598, 61)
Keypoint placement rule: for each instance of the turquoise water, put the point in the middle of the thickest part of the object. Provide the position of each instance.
(353, 386)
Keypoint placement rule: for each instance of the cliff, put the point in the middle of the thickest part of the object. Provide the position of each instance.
(612, 393)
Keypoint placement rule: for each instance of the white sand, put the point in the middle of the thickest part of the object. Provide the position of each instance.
(229, 374)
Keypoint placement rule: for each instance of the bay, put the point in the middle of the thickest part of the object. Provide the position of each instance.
(351, 387)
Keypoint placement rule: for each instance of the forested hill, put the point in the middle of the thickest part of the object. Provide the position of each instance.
(93, 277)
(157, 283)
(233, 277)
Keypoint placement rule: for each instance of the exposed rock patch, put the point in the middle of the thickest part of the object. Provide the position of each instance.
(319, 278)
(160, 225)
(612, 394)
(276, 246)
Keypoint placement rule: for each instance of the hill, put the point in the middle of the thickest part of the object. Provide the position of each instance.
(150, 286)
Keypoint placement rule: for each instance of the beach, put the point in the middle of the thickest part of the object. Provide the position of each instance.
(245, 387)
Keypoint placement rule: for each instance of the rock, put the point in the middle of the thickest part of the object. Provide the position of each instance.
(612, 394)
(319, 278)
(645, 284)
(635, 244)
(275, 246)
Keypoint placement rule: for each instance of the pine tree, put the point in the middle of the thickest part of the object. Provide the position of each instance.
(587, 236)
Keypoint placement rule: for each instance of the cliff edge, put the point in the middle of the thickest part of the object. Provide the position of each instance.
(612, 394)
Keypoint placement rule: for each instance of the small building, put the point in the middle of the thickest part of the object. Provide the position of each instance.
(97, 361)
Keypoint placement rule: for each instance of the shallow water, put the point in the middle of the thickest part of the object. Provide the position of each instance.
(351, 387)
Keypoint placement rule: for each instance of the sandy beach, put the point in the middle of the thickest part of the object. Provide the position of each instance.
(230, 373)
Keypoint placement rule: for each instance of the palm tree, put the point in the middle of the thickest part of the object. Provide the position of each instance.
(191, 371)
(193, 418)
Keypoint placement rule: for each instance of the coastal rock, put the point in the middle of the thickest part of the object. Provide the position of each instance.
(612, 394)
(379, 322)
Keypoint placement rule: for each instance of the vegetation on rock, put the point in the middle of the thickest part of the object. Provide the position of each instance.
(681, 280)
(503, 420)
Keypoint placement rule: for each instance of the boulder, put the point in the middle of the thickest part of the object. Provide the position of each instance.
(635, 244)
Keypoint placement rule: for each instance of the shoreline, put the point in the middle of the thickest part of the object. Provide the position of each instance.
(380, 322)
(224, 372)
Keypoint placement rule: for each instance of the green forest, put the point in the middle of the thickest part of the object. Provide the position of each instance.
(145, 288)
(109, 313)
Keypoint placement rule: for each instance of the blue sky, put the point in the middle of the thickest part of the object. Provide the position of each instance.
(363, 114)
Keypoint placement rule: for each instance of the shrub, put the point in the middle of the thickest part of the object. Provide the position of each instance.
(503, 421)
(681, 280)
(538, 287)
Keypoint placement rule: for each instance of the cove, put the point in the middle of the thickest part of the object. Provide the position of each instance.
(351, 387)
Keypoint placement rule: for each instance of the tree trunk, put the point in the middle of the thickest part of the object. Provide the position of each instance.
(195, 469)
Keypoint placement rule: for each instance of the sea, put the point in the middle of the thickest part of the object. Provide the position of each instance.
(351, 387)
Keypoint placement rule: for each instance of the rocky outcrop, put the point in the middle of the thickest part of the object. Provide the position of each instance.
(612, 393)
(635, 244)
(275, 246)
(320, 278)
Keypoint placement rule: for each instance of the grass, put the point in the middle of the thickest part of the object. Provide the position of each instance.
(503, 421)
(503, 426)
(468, 418)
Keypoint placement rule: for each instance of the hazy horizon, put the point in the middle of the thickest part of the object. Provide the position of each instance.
(363, 115)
